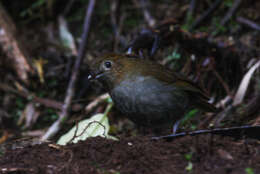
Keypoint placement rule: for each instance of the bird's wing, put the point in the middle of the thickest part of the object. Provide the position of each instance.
(198, 97)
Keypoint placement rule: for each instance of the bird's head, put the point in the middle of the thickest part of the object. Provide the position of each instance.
(111, 69)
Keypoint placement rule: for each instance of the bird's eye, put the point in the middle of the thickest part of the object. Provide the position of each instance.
(107, 64)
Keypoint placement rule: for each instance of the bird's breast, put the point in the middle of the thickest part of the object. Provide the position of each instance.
(148, 96)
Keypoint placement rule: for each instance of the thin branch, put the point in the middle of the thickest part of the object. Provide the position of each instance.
(147, 15)
(117, 23)
(248, 23)
(252, 107)
(192, 7)
(71, 88)
(18, 170)
(231, 12)
(206, 14)
(43, 101)
(227, 17)
(113, 17)
(236, 132)
(97, 101)
(15, 52)
(224, 84)
(75, 133)
(190, 14)
(68, 7)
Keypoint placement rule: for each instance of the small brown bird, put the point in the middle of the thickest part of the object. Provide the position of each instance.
(148, 93)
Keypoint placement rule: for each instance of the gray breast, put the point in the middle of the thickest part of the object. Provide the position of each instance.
(146, 97)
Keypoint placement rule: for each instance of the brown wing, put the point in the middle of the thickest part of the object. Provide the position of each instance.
(148, 68)
(197, 96)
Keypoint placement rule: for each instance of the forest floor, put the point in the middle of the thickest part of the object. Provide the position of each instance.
(205, 154)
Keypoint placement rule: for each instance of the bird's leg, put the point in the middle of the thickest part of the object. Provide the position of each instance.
(141, 54)
(175, 126)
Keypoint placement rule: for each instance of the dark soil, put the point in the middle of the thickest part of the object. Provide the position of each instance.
(209, 154)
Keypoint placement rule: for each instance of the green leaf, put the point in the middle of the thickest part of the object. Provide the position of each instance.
(189, 115)
(174, 56)
(249, 171)
(188, 156)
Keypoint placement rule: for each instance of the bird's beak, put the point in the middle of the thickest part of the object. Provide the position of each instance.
(91, 77)
(94, 76)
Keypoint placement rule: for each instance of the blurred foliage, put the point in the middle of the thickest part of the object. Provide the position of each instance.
(34, 7)
(191, 114)
(188, 156)
(228, 3)
(249, 171)
(189, 166)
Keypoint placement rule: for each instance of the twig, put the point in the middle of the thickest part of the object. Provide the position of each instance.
(252, 107)
(75, 133)
(13, 47)
(85, 129)
(222, 115)
(68, 7)
(248, 110)
(190, 11)
(205, 15)
(95, 102)
(192, 7)
(34, 133)
(43, 101)
(249, 23)
(113, 11)
(231, 12)
(117, 26)
(55, 127)
(224, 84)
(147, 15)
(227, 17)
(18, 169)
(237, 132)
(122, 39)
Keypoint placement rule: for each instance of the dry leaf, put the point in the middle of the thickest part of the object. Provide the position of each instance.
(244, 85)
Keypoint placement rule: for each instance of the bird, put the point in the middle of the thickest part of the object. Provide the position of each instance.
(148, 93)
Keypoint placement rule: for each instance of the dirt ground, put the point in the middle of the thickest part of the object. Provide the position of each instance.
(205, 154)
